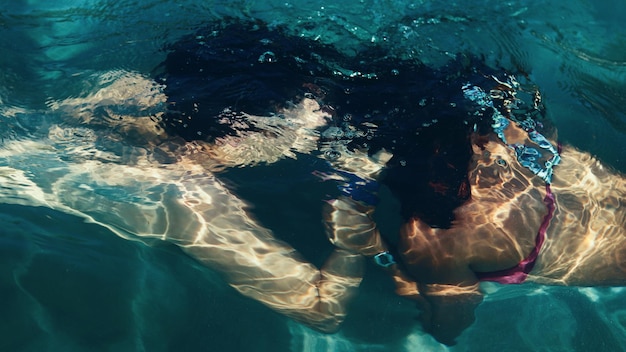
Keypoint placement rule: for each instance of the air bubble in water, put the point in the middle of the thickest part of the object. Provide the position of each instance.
(332, 155)
(267, 57)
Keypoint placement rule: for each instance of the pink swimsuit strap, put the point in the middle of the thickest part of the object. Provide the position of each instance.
(518, 273)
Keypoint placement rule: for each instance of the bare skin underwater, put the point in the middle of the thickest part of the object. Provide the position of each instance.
(181, 201)
(585, 241)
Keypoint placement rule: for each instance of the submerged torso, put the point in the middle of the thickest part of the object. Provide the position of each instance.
(494, 230)
(497, 229)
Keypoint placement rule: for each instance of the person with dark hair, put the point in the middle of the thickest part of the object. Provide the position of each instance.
(534, 211)
(461, 147)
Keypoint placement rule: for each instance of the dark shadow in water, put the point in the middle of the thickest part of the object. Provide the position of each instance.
(287, 197)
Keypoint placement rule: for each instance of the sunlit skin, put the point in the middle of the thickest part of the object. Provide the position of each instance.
(496, 229)
(181, 201)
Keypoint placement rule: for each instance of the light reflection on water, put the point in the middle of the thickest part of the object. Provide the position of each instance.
(572, 50)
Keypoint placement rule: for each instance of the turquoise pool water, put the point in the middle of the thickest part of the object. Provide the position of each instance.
(67, 284)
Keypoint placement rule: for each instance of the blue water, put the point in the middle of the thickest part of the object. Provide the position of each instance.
(70, 285)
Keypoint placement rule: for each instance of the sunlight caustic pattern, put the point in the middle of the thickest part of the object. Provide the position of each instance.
(137, 197)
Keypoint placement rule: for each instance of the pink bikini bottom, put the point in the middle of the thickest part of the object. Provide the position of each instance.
(518, 273)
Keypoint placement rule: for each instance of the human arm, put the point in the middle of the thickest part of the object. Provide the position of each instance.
(349, 226)
(447, 304)
(181, 202)
(184, 205)
(225, 238)
(270, 271)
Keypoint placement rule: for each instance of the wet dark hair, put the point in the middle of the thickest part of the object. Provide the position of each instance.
(416, 112)
(240, 66)
(422, 117)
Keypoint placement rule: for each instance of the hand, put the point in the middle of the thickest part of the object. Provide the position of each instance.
(349, 226)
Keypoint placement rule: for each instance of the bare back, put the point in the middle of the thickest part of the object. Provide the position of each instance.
(587, 239)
